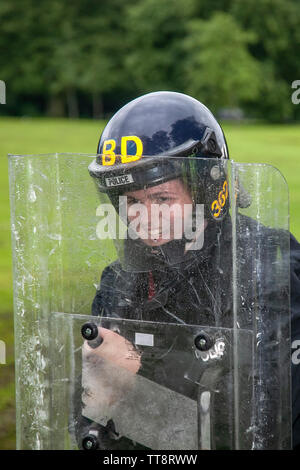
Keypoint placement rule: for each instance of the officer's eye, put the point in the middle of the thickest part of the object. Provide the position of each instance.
(165, 199)
(132, 200)
(161, 200)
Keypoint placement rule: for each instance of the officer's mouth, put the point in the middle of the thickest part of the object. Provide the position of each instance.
(156, 238)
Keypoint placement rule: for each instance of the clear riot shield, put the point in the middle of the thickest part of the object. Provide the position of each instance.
(201, 350)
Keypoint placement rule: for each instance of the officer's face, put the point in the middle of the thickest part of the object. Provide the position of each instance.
(157, 213)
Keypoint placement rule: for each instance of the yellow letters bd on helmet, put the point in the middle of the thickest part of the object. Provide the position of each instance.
(127, 143)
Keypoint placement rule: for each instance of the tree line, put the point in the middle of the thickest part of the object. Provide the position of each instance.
(87, 58)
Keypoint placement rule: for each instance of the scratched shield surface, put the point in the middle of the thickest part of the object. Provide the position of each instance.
(205, 381)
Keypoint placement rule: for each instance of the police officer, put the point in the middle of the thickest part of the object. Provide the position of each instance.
(167, 149)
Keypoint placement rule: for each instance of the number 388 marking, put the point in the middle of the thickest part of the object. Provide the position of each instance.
(219, 203)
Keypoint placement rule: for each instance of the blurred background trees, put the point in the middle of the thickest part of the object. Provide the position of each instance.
(86, 59)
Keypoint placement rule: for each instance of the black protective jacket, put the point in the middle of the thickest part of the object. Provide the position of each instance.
(197, 290)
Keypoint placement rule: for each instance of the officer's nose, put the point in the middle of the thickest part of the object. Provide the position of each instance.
(153, 215)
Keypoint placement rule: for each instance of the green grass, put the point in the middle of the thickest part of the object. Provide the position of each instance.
(276, 145)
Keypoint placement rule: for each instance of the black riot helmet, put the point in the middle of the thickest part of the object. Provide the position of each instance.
(141, 145)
